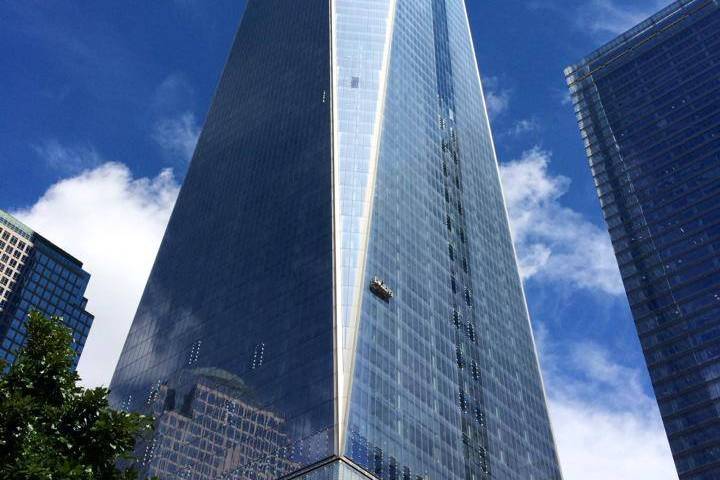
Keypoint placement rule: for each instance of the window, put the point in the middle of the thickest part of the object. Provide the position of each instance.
(355, 82)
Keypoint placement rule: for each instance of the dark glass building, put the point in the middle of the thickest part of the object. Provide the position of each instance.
(648, 104)
(37, 275)
(338, 267)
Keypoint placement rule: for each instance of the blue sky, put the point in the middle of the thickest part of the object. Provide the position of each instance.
(101, 104)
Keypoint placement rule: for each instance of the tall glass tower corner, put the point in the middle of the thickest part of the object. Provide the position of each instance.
(336, 295)
(648, 105)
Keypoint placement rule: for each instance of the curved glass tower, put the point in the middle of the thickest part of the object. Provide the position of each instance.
(336, 295)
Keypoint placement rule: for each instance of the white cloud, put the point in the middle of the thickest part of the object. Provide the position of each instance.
(497, 100)
(173, 94)
(606, 426)
(175, 128)
(113, 223)
(67, 159)
(565, 98)
(526, 125)
(554, 242)
(177, 135)
(597, 443)
(607, 16)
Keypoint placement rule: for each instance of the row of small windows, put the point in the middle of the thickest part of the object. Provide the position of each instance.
(647, 183)
(61, 289)
(662, 44)
(10, 263)
(10, 273)
(77, 321)
(681, 65)
(693, 332)
(668, 254)
(12, 257)
(670, 192)
(645, 171)
(593, 126)
(53, 267)
(650, 319)
(691, 221)
(52, 305)
(10, 227)
(16, 252)
(11, 239)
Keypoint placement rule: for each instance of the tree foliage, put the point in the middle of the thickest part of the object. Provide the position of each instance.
(52, 428)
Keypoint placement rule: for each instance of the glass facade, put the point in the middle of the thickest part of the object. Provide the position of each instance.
(37, 275)
(446, 383)
(648, 105)
(336, 296)
(243, 281)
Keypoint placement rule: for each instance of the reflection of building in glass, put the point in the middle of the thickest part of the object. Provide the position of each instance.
(648, 104)
(211, 430)
(340, 244)
(37, 275)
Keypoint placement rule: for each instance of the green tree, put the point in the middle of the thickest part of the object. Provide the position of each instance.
(52, 428)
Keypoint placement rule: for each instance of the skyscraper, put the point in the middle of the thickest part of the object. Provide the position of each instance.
(648, 104)
(340, 248)
(37, 275)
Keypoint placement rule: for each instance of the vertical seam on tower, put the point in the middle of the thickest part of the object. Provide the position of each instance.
(372, 179)
(337, 329)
